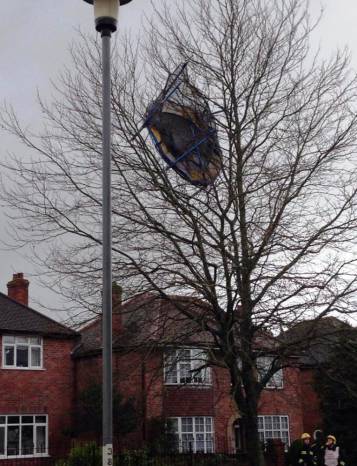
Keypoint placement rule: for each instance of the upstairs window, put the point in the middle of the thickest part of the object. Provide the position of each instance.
(21, 352)
(187, 366)
(264, 364)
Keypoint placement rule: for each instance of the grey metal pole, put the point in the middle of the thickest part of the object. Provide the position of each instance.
(107, 257)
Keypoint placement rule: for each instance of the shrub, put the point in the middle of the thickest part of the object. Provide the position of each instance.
(88, 454)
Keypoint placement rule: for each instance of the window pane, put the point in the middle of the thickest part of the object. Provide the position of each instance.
(13, 420)
(200, 442)
(22, 340)
(183, 355)
(284, 422)
(170, 367)
(8, 339)
(187, 424)
(36, 357)
(9, 356)
(35, 340)
(2, 440)
(200, 424)
(13, 437)
(171, 377)
(187, 442)
(185, 372)
(26, 419)
(209, 443)
(40, 419)
(27, 443)
(22, 356)
(276, 422)
(208, 424)
(268, 422)
(285, 437)
(2, 419)
(40, 439)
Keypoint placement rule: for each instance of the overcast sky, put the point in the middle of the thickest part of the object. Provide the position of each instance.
(34, 39)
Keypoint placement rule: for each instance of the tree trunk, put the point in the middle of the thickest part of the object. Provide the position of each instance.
(254, 445)
(248, 406)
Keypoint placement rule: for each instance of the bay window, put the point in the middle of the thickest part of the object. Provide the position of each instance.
(264, 364)
(187, 366)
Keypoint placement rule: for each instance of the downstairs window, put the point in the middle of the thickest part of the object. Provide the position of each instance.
(23, 435)
(192, 434)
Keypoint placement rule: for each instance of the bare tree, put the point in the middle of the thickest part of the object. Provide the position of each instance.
(270, 243)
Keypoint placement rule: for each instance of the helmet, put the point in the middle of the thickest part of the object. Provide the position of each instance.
(332, 437)
(305, 435)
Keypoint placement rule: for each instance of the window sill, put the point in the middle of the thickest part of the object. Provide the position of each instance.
(190, 385)
(8, 368)
(15, 457)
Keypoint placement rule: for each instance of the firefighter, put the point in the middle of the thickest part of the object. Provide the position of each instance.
(318, 447)
(300, 452)
(332, 453)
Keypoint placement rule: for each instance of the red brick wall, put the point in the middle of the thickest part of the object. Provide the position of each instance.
(127, 380)
(286, 401)
(48, 391)
(140, 375)
(312, 419)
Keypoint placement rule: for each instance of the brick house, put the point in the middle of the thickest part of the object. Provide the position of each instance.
(36, 377)
(155, 353)
(159, 361)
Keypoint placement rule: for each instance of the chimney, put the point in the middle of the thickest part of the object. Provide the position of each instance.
(117, 293)
(17, 289)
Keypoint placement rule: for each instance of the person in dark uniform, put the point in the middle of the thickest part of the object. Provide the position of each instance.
(300, 452)
(318, 447)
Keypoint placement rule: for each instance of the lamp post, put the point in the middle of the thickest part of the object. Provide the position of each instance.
(106, 17)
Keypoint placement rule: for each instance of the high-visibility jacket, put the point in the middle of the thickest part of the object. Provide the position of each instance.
(331, 456)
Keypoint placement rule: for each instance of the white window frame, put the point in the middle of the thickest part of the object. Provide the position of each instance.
(266, 430)
(175, 374)
(179, 431)
(30, 345)
(263, 365)
(34, 424)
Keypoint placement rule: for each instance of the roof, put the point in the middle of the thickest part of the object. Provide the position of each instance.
(315, 339)
(16, 317)
(150, 320)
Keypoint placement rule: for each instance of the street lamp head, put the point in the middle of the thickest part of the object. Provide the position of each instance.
(106, 13)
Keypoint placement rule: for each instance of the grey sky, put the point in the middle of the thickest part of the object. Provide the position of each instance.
(34, 40)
